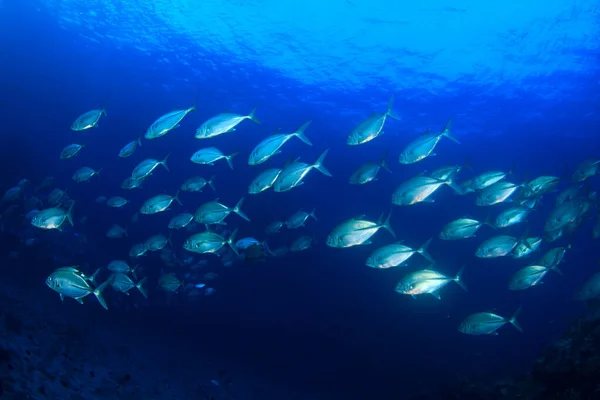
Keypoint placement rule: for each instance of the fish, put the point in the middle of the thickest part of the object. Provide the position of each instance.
(487, 323)
(563, 215)
(587, 169)
(444, 173)
(223, 123)
(424, 145)
(497, 246)
(71, 151)
(71, 283)
(159, 203)
(147, 166)
(123, 283)
(371, 127)
(462, 228)
(169, 283)
(116, 202)
(396, 254)
(130, 148)
(122, 267)
(214, 212)
(197, 183)
(53, 218)
(264, 180)
(293, 174)
(274, 227)
(512, 216)
(167, 122)
(529, 276)
(428, 281)
(541, 185)
(368, 171)
(181, 220)
(87, 120)
(272, 145)
(138, 250)
(116, 232)
(208, 155)
(553, 257)
(526, 247)
(357, 231)
(499, 192)
(130, 183)
(568, 194)
(301, 243)
(297, 219)
(209, 242)
(84, 173)
(418, 189)
(157, 242)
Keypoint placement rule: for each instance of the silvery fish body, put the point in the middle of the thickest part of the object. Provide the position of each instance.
(147, 166)
(297, 219)
(553, 257)
(69, 282)
(208, 242)
(209, 155)
(84, 173)
(355, 232)
(169, 283)
(130, 183)
(462, 228)
(214, 212)
(293, 174)
(369, 170)
(586, 169)
(167, 122)
(416, 190)
(116, 231)
(129, 148)
(527, 247)
(222, 123)
(424, 145)
(264, 180)
(371, 127)
(116, 202)
(527, 277)
(159, 203)
(197, 183)
(499, 192)
(156, 242)
(497, 246)
(272, 145)
(512, 216)
(486, 323)
(395, 254)
(274, 227)
(181, 220)
(540, 186)
(138, 250)
(426, 281)
(70, 151)
(52, 218)
(87, 120)
(301, 243)
(487, 179)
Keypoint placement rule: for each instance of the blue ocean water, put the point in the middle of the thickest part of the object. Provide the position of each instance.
(520, 81)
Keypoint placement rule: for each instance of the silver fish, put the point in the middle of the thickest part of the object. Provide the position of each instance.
(181, 220)
(418, 189)
(357, 231)
(427, 281)
(209, 242)
(274, 227)
(197, 183)
(486, 323)
(497, 246)
(264, 180)
(512, 216)
(159, 203)
(147, 166)
(526, 247)
(167, 122)
(424, 145)
(396, 254)
(71, 151)
(529, 276)
(169, 283)
(272, 145)
(223, 123)
(214, 212)
(586, 169)
(72, 283)
(123, 283)
(369, 170)
(297, 219)
(116, 232)
(462, 228)
(371, 127)
(88, 120)
(53, 218)
(116, 202)
(130, 148)
(499, 192)
(293, 174)
(209, 155)
(301, 243)
(84, 173)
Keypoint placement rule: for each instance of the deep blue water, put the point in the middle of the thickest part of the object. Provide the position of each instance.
(522, 92)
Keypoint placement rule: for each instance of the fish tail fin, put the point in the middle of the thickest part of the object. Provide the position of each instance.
(387, 226)
(556, 269)
(211, 183)
(231, 241)
(252, 116)
(423, 251)
(238, 209)
(319, 164)
(458, 279)
(488, 222)
(513, 320)
(164, 162)
(133, 271)
(390, 113)
(229, 158)
(176, 197)
(94, 276)
(313, 215)
(300, 133)
(140, 286)
(383, 163)
(447, 132)
(450, 182)
(98, 293)
(70, 214)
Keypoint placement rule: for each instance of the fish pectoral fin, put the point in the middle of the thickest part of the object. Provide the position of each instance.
(366, 243)
(62, 298)
(126, 293)
(436, 295)
(428, 200)
(494, 333)
(79, 300)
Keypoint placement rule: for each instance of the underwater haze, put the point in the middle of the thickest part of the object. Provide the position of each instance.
(222, 308)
